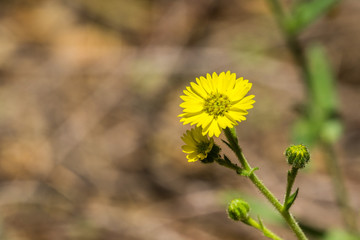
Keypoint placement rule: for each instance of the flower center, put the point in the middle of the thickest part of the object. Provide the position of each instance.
(202, 147)
(217, 104)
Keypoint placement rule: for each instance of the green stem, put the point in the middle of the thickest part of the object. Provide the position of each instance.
(290, 182)
(289, 218)
(231, 136)
(266, 192)
(267, 232)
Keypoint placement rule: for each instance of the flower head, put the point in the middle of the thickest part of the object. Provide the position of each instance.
(216, 102)
(297, 156)
(238, 210)
(196, 145)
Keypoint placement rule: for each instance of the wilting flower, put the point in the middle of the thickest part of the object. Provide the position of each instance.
(197, 146)
(216, 102)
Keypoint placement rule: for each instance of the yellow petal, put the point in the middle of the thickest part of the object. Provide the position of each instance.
(198, 90)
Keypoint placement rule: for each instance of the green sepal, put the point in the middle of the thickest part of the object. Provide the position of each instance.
(289, 202)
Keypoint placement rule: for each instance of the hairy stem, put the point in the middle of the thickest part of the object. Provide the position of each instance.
(267, 232)
(290, 182)
(262, 188)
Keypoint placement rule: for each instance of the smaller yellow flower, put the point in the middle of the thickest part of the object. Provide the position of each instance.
(197, 146)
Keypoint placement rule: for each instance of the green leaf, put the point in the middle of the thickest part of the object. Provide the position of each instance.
(227, 143)
(306, 12)
(262, 227)
(260, 223)
(253, 170)
(289, 202)
(322, 81)
(320, 119)
(227, 159)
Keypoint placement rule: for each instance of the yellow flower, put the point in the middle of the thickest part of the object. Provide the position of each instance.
(197, 146)
(216, 102)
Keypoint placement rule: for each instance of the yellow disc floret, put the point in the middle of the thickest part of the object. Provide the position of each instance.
(217, 104)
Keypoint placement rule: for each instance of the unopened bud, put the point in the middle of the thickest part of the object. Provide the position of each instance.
(238, 210)
(297, 156)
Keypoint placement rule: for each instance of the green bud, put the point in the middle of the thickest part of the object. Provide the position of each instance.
(297, 156)
(238, 210)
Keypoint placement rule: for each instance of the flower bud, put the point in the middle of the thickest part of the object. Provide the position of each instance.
(238, 210)
(297, 156)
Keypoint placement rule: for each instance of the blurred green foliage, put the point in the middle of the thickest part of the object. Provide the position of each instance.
(305, 13)
(320, 119)
(338, 234)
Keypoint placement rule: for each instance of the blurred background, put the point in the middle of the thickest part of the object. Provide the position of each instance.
(90, 142)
